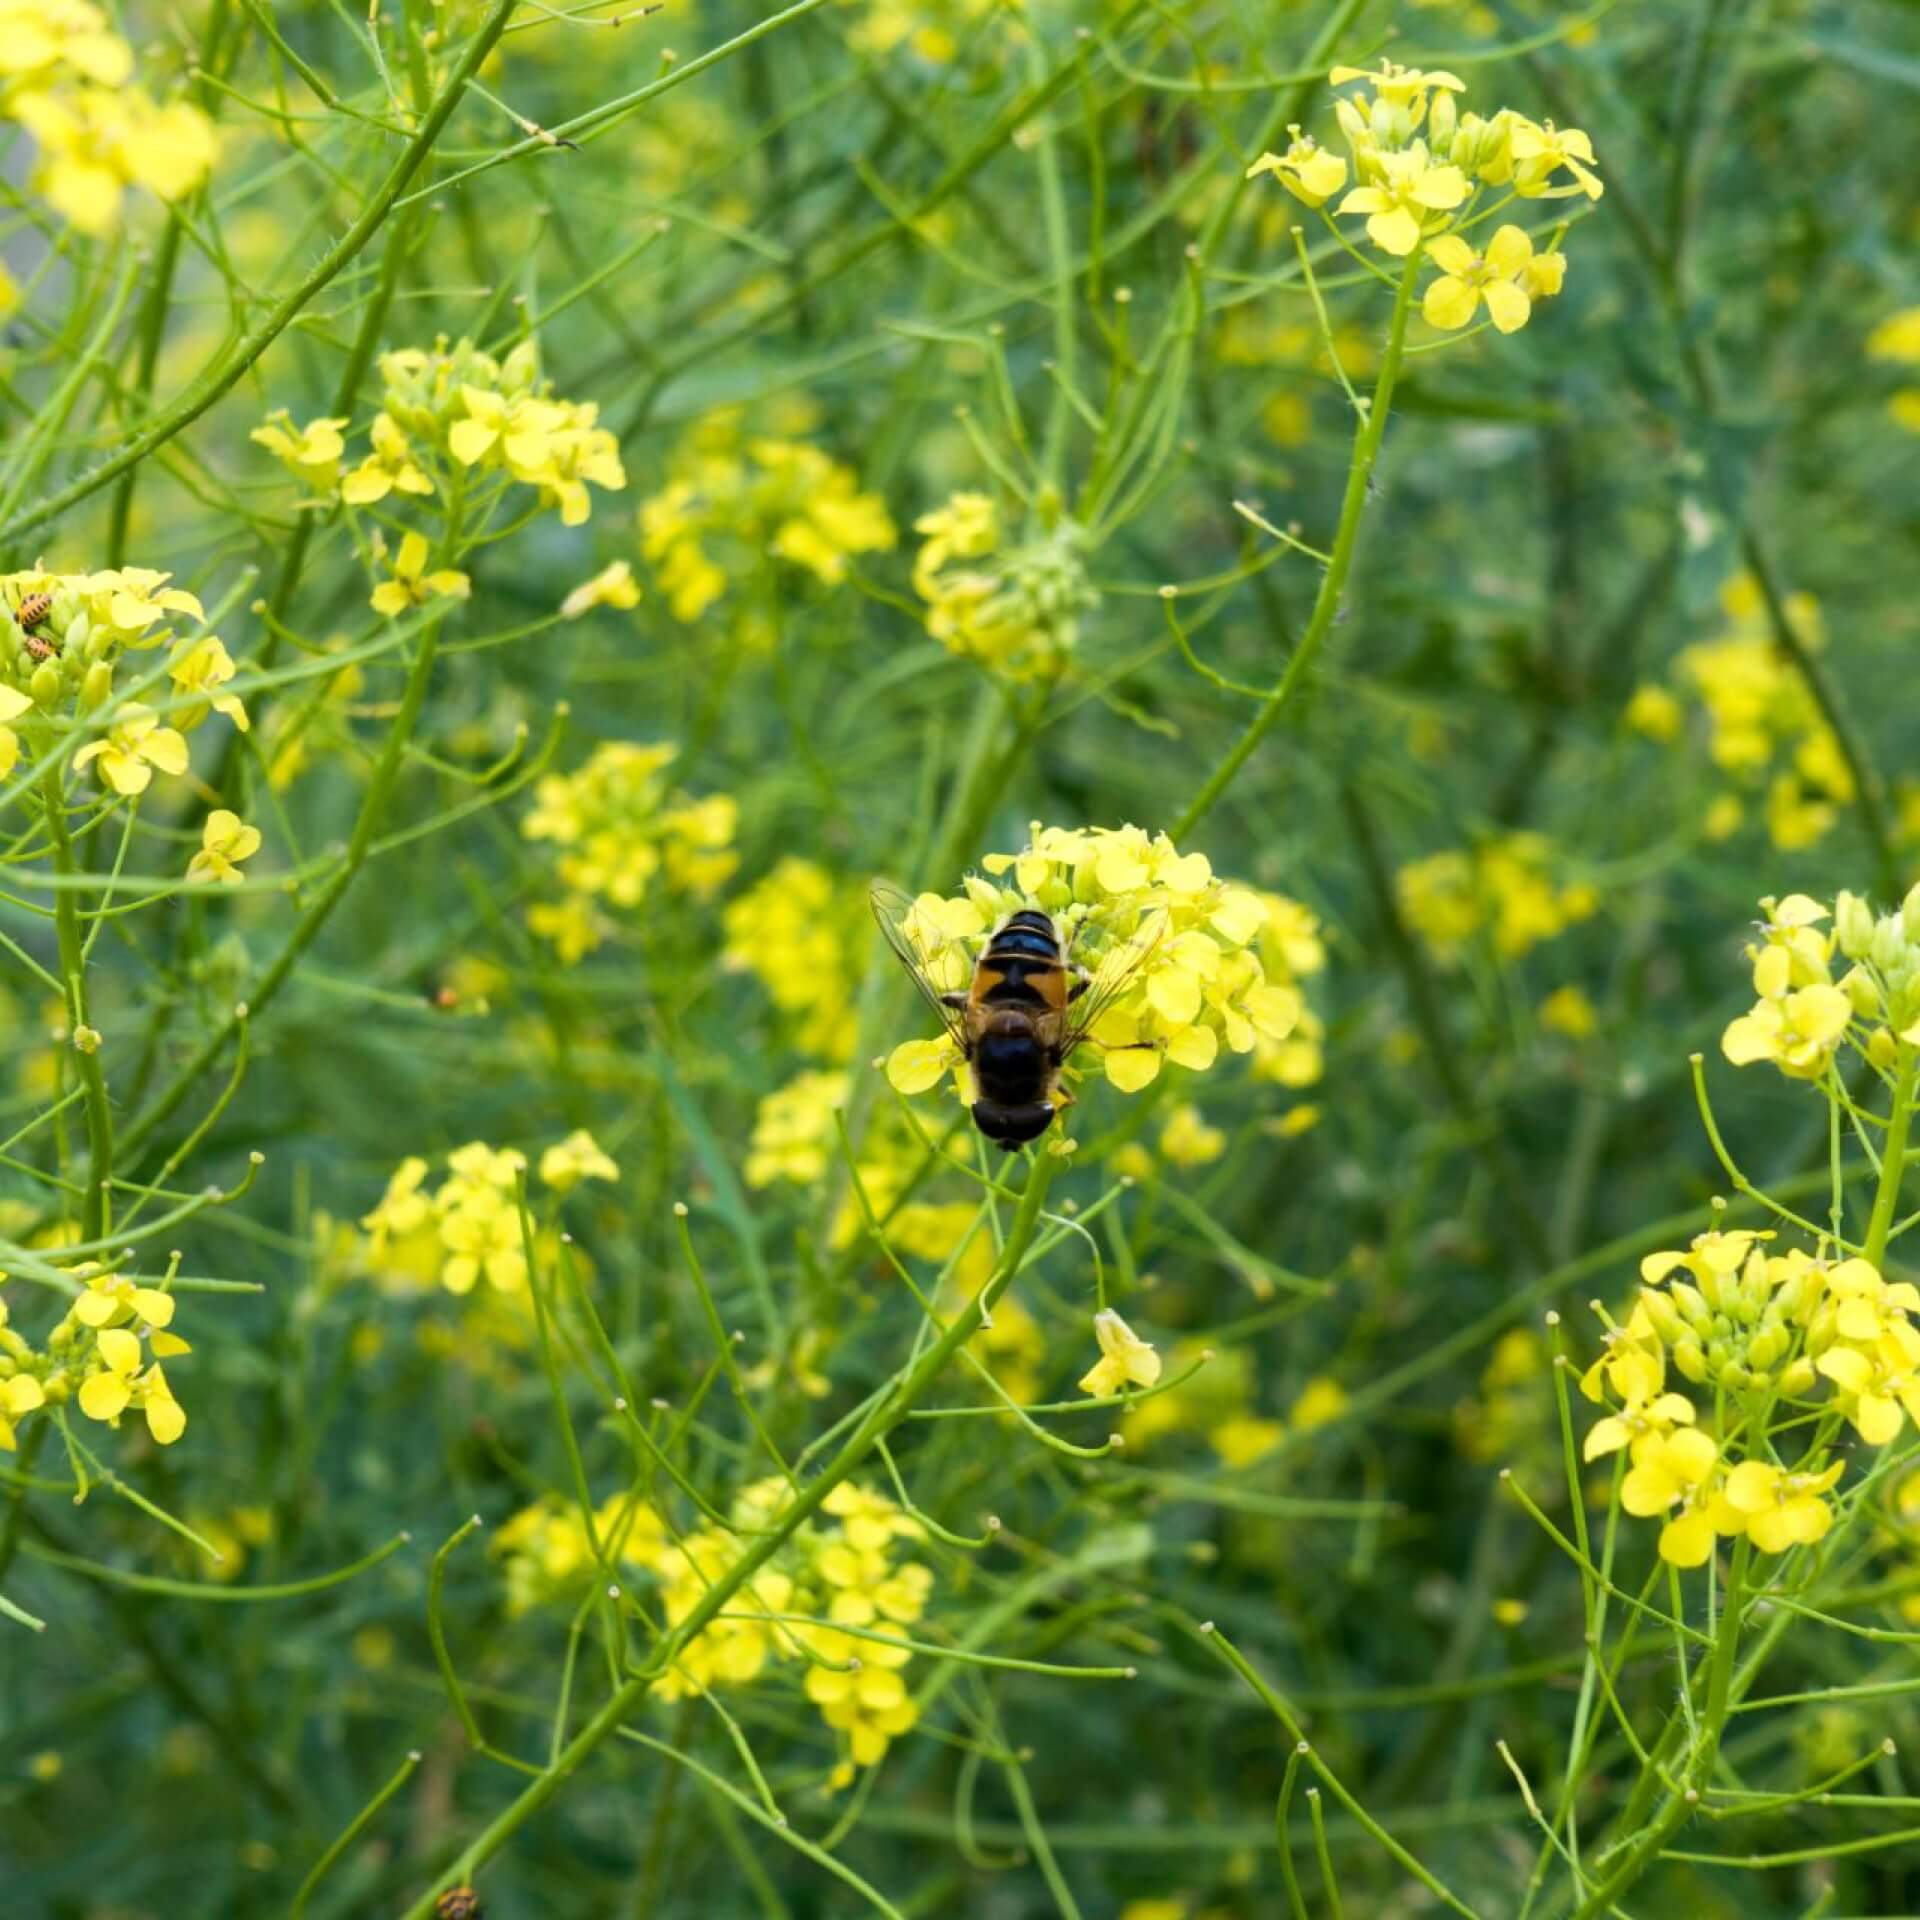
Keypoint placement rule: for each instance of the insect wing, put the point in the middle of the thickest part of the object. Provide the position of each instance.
(1118, 969)
(891, 912)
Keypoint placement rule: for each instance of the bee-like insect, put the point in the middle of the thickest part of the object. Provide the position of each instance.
(458, 1903)
(1018, 1020)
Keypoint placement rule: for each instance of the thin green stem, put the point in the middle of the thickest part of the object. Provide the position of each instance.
(1326, 606)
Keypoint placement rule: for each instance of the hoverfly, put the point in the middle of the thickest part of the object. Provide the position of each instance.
(1027, 1005)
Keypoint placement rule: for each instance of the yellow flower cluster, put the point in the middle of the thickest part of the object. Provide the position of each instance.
(1504, 888)
(60, 636)
(617, 824)
(804, 934)
(1757, 1329)
(103, 1355)
(1897, 339)
(1764, 726)
(936, 31)
(1418, 166)
(835, 1597)
(547, 1549)
(769, 496)
(1802, 1015)
(66, 77)
(453, 419)
(1186, 941)
(1292, 950)
(793, 1133)
(468, 1228)
(1014, 608)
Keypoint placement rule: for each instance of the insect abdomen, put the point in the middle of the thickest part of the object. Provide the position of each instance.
(1010, 1068)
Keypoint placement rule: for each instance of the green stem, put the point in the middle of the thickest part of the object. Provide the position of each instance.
(1893, 1156)
(886, 1413)
(73, 968)
(1326, 607)
(373, 810)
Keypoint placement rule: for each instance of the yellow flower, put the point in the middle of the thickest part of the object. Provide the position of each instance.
(793, 1131)
(411, 586)
(1567, 1010)
(225, 841)
(1322, 1399)
(134, 746)
(203, 666)
(19, 1396)
(1307, 170)
(1540, 151)
(1798, 1029)
(1776, 1509)
(1897, 337)
(1467, 278)
(1400, 86)
(389, 468)
(1410, 188)
(1656, 713)
(1245, 1438)
(612, 586)
(13, 703)
(96, 141)
(312, 453)
(578, 1157)
(119, 1382)
(1125, 1359)
(1187, 1141)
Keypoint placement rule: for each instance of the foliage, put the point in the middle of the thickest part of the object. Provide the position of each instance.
(519, 1381)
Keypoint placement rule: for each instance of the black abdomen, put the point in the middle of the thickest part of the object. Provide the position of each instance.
(1010, 1069)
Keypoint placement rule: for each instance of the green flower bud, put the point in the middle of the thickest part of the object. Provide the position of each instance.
(1663, 1313)
(96, 686)
(1790, 1295)
(1691, 1362)
(1692, 1304)
(1888, 950)
(63, 1335)
(1767, 1346)
(1857, 984)
(1719, 1352)
(1734, 1377)
(1910, 906)
(1722, 1327)
(1881, 1049)
(1799, 1378)
(1853, 923)
(1442, 119)
(1711, 1290)
(46, 685)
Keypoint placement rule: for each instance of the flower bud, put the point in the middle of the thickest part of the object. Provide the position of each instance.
(1881, 1049)
(63, 1335)
(1663, 1313)
(1442, 120)
(1910, 906)
(13, 1345)
(1767, 1346)
(96, 686)
(1719, 1352)
(1857, 984)
(1691, 1362)
(1791, 1294)
(45, 686)
(1888, 948)
(1798, 1378)
(1853, 925)
(1734, 1377)
(1692, 1304)
(1711, 1289)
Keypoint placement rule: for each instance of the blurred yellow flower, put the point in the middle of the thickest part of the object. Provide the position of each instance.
(578, 1157)
(225, 840)
(612, 586)
(1125, 1359)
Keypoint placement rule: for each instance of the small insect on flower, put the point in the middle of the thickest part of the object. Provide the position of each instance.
(1027, 1005)
(458, 1903)
(31, 613)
